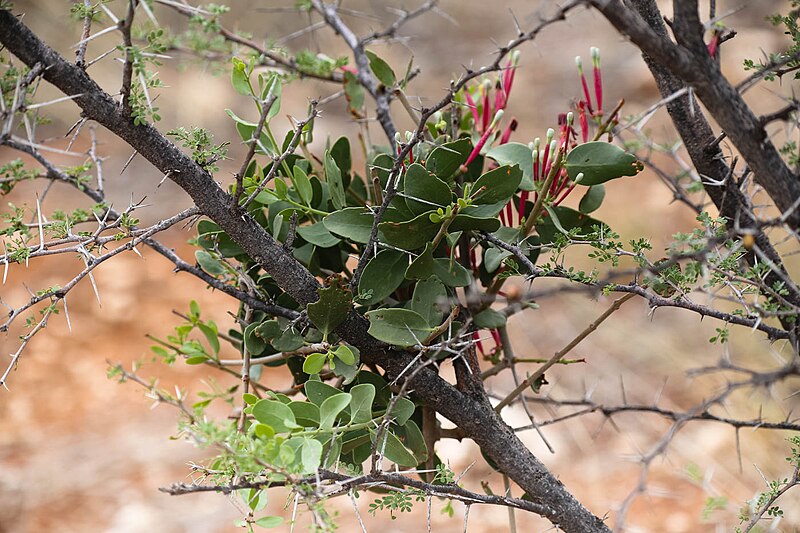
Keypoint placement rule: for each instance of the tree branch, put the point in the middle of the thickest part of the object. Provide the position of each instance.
(477, 419)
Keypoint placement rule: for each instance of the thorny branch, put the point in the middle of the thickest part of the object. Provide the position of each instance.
(365, 76)
(419, 375)
(474, 415)
(342, 484)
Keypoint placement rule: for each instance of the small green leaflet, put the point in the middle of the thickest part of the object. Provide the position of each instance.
(381, 69)
(334, 178)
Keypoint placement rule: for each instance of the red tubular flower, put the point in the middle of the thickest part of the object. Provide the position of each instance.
(566, 193)
(484, 138)
(583, 120)
(510, 72)
(587, 98)
(713, 44)
(512, 127)
(478, 343)
(510, 212)
(496, 336)
(486, 110)
(523, 200)
(598, 79)
(499, 96)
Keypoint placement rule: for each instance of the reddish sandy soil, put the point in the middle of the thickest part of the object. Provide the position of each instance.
(81, 453)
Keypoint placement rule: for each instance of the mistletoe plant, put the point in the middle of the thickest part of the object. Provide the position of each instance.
(435, 226)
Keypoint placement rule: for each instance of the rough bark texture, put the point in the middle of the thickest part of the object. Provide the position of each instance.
(705, 153)
(474, 416)
(689, 61)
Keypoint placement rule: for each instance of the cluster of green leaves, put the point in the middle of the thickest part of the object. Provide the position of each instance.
(12, 173)
(405, 290)
(765, 502)
(181, 344)
(788, 61)
(149, 45)
(204, 152)
(403, 500)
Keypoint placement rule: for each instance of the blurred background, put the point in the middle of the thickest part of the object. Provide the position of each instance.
(79, 452)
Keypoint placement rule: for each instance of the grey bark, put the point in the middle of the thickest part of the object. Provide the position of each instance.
(474, 416)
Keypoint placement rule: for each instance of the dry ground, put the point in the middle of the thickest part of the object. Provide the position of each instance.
(80, 453)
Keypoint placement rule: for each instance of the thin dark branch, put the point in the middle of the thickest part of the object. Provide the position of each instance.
(251, 150)
(394, 27)
(80, 53)
(341, 483)
(365, 76)
(127, 68)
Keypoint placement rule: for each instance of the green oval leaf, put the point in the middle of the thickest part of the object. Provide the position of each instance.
(253, 342)
(361, 404)
(318, 235)
(302, 185)
(489, 319)
(239, 77)
(444, 160)
(331, 408)
(463, 222)
(354, 223)
(269, 521)
(208, 263)
(419, 184)
(333, 176)
(314, 363)
(317, 391)
(393, 449)
(305, 413)
(310, 455)
(275, 414)
(592, 199)
(345, 354)
(402, 411)
(499, 185)
(401, 327)
(515, 154)
(422, 265)
(600, 162)
(429, 300)
(382, 275)
(381, 69)
(451, 273)
(412, 234)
